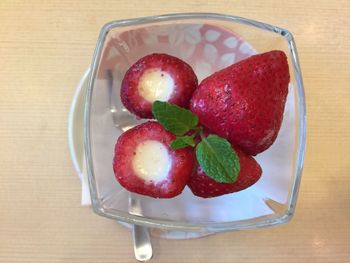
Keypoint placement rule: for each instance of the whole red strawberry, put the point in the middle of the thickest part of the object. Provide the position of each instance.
(203, 186)
(245, 102)
(145, 164)
(157, 77)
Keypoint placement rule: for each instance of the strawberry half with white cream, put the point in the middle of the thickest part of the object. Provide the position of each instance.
(144, 163)
(157, 77)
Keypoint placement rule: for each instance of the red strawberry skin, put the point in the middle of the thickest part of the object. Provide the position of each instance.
(183, 161)
(185, 82)
(203, 186)
(245, 102)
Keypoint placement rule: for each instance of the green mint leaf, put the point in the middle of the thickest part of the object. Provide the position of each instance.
(182, 142)
(174, 119)
(217, 159)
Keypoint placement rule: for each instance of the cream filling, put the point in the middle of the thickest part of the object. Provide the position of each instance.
(151, 161)
(155, 85)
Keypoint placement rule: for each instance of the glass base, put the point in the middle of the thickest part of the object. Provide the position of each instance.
(171, 234)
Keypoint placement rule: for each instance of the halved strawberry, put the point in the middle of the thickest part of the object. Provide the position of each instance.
(245, 102)
(144, 163)
(203, 186)
(157, 77)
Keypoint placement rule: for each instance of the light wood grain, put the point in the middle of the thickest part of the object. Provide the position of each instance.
(45, 47)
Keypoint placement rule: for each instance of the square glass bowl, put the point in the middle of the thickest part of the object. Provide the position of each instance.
(208, 42)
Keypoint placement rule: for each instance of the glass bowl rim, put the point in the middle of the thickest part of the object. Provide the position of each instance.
(173, 225)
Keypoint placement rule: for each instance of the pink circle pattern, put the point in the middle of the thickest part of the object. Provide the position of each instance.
(207, 48)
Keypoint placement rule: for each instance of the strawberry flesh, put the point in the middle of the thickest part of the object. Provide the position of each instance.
(203, 186)
(245, 101)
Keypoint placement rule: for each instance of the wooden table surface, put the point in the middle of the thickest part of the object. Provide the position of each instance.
(45, 47)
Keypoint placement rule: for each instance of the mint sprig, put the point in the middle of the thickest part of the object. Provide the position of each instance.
(174, 118)
(183, 141)
(217, 159)
(214, 154)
